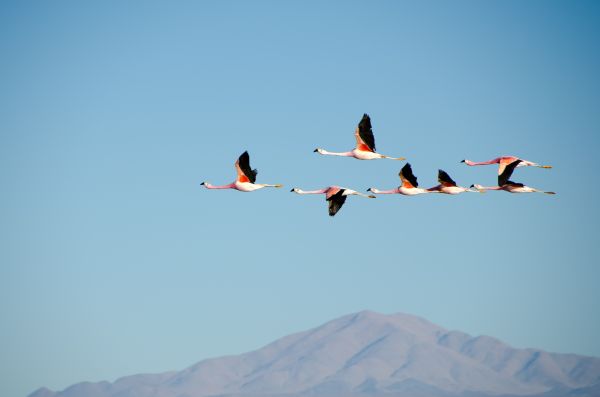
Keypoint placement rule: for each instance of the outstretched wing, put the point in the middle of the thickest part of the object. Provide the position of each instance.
(364, 135)
(244, 172)
(336, 201)
(409, 180)
(445, 179)
(504, 177)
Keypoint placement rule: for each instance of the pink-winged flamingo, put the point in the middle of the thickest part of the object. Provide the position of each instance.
(246, 177)
(504, 182)
(335, 195)
(448, 186)
(504, 161)
(409, 186)
(365, 144)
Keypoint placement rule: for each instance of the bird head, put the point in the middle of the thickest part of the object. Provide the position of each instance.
(203, 183)
(369, 189)
(463, 161)
(318, 150)
(295, 190)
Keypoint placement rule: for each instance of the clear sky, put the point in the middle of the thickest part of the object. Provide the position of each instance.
(114, 261)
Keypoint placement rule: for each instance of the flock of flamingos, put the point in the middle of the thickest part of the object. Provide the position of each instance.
(365, 150)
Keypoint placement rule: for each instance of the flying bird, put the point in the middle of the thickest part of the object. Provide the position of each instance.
(335, 196)
(504, 161)
(448, 186)
(409, 186)
(365, 144)
(504, 182)
(246, 177)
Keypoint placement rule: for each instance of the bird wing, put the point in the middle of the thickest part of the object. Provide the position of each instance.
(336, 201)
(515, 184)
(364, 135)
(244, 172)
(503, 178)
(445, 179)
(409, 180)
(504, 161)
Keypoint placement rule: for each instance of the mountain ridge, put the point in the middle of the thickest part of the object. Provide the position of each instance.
(366, 353)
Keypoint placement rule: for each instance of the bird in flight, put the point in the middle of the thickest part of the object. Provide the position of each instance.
(246, 177)
(335, 196)
(504, 182)
(365, 144)
(409, 186)
(448, 186)
(504, 161)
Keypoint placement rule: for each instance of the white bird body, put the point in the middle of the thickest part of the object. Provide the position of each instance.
(246, 177)
(335, 195)
(365, 144)
(504, 182)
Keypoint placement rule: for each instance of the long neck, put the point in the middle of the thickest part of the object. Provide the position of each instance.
(342, 154)
(209, 186)
(489, 187)
(493, 161)
(391, 191)
(320, 191)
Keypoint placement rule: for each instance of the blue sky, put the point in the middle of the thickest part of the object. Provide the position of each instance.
(114, 261)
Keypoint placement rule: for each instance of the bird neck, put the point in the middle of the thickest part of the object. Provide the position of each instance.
(209, 186)
(391, 191)
(342, 154)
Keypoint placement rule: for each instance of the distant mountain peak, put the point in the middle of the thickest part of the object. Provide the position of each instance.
(365, 353)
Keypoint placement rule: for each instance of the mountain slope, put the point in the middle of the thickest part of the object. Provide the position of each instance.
(367, 353)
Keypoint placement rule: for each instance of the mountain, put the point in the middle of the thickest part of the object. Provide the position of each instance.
(368, 354)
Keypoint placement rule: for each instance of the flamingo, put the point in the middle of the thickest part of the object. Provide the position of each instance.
(246, 177)
(448, 186)
(504, 161)
(509, 186)
(409, 186)
(365, 144)
(334, 194)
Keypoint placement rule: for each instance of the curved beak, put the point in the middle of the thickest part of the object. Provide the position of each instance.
(316, 150)
(462, 161)
(202, 184)
(369, 189)
(292, 190)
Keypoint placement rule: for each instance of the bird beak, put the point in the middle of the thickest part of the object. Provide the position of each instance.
(202, 184)
(369, 189)
(292, 190)
(462, 161)
(316, 150)
(471, 187)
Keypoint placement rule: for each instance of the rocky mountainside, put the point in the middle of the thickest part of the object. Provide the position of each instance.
(370, 354)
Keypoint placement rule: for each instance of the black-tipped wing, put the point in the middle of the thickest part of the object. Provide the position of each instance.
(365, 132)
(335, 202)
(504, 177)
(243, 166)
(444, 178)
(407, 177)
